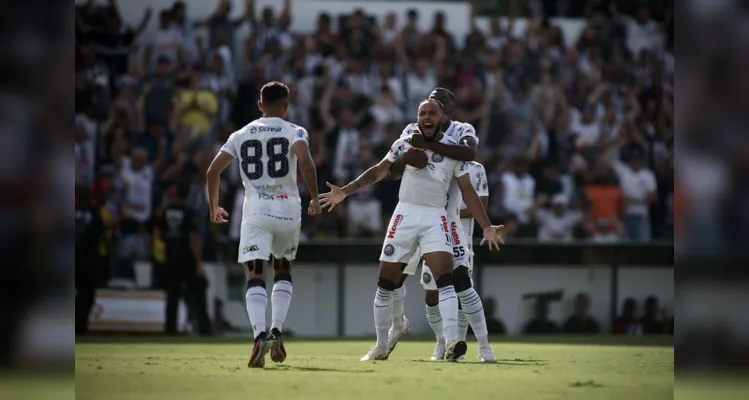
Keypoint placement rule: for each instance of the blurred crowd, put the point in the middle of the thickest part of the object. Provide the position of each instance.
(577, 140)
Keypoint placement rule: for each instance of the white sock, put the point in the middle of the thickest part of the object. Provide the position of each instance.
(257, 302)
(449, 311)
(383, 308)
(462, 325)
(280, 300)
(399, 295)
(435, 322)
(474, 312)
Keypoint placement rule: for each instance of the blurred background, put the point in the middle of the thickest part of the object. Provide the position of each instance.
(573, 102)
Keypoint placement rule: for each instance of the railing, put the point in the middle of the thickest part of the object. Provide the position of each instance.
(347, 252)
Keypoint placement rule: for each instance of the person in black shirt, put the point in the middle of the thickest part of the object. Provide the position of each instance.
(580, 321)
(183, 265)
(88, 230)
(541, 324)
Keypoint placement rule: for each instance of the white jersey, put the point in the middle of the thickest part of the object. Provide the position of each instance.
(455, 132)
(267, 164)
(477, 173)
(427, 186)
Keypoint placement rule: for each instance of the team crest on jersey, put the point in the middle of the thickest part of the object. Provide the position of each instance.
(437, 157)
(426, 277)
(300, 134)
(389, 250)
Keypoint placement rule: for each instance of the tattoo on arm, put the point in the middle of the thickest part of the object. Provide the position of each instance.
(309, 174)
(369, 177)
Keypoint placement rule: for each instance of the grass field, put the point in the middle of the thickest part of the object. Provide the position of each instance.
(213, 369)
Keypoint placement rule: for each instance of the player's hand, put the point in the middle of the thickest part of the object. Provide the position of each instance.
(417, 140)
(314, 207)
(219, 216)
(416, 158)
(332, 198)
(494, 236)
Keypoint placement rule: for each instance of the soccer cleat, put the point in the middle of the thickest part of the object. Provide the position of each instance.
(393, 336)
(261, 348)
(486, 355)
(439, 352)
(455, 350)
(277, 349)
(375, 353)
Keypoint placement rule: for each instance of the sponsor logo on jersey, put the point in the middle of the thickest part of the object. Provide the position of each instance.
(437, 157)
(426, 277)
(444, 224)
(250, 248)
(389, 250)
(290, 250)
(268, 188)
(479, 177)
(396, 221)
(454, 233)
(260, 129)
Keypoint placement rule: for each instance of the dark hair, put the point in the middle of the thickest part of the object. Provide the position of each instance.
(274, 93)
(412, 13)
(449, 103)
(435, 101)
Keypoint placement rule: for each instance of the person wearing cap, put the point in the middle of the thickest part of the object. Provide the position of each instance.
(558, 223)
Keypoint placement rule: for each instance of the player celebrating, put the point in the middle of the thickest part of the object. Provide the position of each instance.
(268, 149)
(471, 305)
(420, 219)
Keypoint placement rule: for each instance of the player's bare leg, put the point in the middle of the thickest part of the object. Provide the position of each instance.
(280, 301)
(390, 275)
(474, 312)
(400, 325)
(257, 302)
(441, 265)
(432, 300)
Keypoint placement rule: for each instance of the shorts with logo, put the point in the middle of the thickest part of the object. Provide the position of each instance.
(265, 234)
(460, 250)
(414, 227)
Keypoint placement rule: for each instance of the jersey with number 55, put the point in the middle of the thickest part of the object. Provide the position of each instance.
(267, 164)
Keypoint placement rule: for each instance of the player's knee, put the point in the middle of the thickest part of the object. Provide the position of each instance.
(255, 282)
(255, 266)
(461, 279)
(431, 297)
(445, 280)
(386, 284)
(281, 267)
(402, 280)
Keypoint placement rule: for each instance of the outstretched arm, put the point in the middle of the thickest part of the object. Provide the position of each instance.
(473, 202)
(369, 177)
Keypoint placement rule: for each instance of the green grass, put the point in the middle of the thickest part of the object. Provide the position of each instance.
(152, 368)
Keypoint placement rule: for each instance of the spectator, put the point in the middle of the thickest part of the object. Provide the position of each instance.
(347, 143)
(186, 28)
(639, 187)
(518, 187)
(540, 324)
(580, 321)
(557, 224)
(196, 107)
(493, 324)
(93, 82)
(219, 81)
(419, 83)
(364, 210)
(653, 322)
(627, 323)
(167, 44)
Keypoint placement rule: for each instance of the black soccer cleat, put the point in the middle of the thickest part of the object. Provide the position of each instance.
(261, 348)
(456, 350)
(277, 349)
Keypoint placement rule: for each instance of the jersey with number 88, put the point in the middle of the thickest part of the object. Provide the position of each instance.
(268, 166)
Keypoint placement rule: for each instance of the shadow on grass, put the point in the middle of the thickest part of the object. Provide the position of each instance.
(514, 362)
(279, 367)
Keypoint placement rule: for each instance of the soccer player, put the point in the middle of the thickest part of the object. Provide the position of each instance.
(268, 149)
(471, 306)
(419, 220)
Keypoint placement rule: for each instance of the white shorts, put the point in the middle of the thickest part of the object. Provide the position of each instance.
(264, 235)
(461, 250)
(415, 227)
